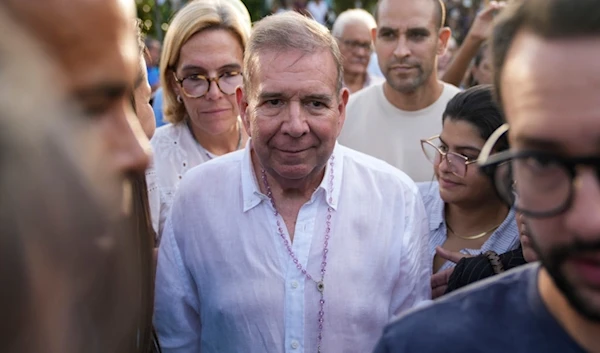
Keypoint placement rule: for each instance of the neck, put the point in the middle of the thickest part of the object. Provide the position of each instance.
(420, 98)
(299, 190)
(471, 219)
(582, 330)
(220, 144)
(354, 81)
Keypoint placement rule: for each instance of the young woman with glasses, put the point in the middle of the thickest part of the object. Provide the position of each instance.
(466, 216)
(201, 67)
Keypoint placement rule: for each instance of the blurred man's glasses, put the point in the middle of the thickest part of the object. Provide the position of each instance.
(538, 184)
(196, 86)
(356, 44)
(434, 150)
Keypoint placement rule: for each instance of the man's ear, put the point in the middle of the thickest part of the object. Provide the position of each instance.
(443, 37)
(343, 101)
(242, 103)
(374, 34)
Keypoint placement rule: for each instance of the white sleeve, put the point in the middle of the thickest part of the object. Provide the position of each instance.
(413, 286)
(177, 307)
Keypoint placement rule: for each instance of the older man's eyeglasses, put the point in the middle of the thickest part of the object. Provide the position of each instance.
(196, 86)
(537, 183)
(435, 150)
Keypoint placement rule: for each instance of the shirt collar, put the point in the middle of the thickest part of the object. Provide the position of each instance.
(436, 216)
(253, 196)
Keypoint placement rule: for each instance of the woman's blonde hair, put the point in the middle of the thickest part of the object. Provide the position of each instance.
(196, 16)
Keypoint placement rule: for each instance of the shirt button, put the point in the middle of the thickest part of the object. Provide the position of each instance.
(295, 344)
(294, 284)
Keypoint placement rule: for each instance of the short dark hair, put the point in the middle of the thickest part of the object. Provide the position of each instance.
(440, 13)
(550, 19)
(477, 107)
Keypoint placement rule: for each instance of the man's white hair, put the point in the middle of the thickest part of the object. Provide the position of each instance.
(352, 16)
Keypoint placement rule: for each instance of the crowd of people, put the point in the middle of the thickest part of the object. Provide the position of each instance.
(285, 187)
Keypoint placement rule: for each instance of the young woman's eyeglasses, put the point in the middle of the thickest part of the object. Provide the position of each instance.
(196, 86)
(538, 184)
(435, 150)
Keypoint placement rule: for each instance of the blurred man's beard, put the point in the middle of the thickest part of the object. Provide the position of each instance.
(554, 260)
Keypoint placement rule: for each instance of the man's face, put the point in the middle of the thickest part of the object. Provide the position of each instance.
(94, 45)
(552, 105)
(407, 42)
(355, 46)
(293, 112)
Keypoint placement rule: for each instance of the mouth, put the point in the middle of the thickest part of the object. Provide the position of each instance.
(214, 111)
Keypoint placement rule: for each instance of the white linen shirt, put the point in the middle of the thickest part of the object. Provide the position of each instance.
(175, 153)
(225, 282)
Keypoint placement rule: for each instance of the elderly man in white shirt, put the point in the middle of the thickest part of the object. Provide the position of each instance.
(296, 243)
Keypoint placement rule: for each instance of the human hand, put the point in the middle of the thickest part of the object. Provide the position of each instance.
(453, 256)
(483, 23)
(439, 282)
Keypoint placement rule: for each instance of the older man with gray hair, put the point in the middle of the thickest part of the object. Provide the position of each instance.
(295, 243)
(352, 29)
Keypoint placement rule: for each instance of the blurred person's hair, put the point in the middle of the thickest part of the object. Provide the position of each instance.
(289, 31)
(194, 17)
(349, 17)
(142, 227)
(476, 106)
(70, 275)
(549, 19)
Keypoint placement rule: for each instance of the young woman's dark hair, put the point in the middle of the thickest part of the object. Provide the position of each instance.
(477, 107)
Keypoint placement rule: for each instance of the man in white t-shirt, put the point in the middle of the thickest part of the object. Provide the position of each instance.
(388, 120)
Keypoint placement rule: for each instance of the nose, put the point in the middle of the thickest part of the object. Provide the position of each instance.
(402, 49)
(129, 144)
(582, 217)
(295, 125)
(444, 166)
(213, 92)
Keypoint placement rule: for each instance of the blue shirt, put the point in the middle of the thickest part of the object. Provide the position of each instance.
(499, 315)
(504, 239)
(153, 75)
(157, 105)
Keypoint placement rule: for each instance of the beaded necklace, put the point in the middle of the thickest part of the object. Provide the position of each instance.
(320, 284)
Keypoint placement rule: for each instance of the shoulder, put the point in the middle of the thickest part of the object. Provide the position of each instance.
(467, 312)
(430, 193)
(166, 132)
(214, 174)
(449, 91)
(365, 96)
(363, 166)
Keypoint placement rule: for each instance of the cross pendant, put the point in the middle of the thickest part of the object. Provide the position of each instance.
(320, 286)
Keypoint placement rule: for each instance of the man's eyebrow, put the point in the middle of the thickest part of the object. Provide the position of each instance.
(270, 95)
(418, 30)
(388, 29)
(318, 97)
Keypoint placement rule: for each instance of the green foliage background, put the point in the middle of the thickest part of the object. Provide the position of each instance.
(156, 17)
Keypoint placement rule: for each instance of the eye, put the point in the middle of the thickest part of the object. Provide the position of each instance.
(387, 35)
(443, 147)
(273, 102)
(195, 78)
(316, 104)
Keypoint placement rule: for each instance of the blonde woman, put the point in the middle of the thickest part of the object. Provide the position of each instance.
(201, 66)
